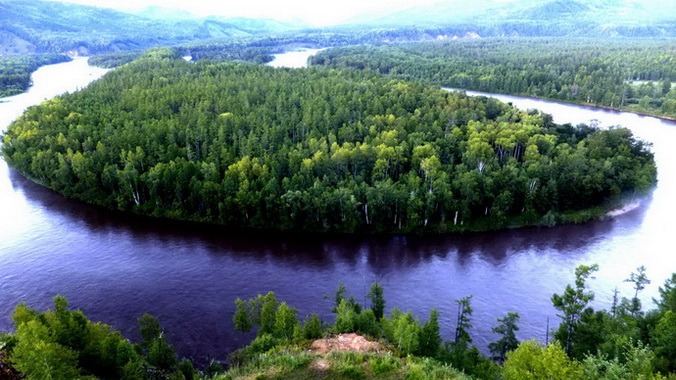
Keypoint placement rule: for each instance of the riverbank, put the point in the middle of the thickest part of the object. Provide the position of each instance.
(563, 102)
(117, 266)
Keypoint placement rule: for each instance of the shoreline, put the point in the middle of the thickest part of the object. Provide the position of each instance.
(607, 108)
(624, 209)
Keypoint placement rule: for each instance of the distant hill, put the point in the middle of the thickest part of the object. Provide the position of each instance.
(37, 26)
(630, 18)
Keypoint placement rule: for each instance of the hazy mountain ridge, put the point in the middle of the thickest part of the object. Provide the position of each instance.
(45, 26)
(631, 18)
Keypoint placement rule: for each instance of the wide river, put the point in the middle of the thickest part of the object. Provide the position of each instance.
(115, 267)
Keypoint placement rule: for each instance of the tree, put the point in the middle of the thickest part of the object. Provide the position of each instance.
(667, 301)
(463, 323)
(38, 356)
(161, 354)
(312, 328)
(430, 338)
(573, 300)
(508, 341)
(377, 300)
(640, 280)
(664, 342)
(285, 322)
(260, 311)
(149, 327)
(532, 361)
(339, 296)
(346, 320)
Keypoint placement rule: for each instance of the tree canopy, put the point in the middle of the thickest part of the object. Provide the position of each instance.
(318, 150)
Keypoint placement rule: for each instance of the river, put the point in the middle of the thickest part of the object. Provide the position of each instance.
(115, 266)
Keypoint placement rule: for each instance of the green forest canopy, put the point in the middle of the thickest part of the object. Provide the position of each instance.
(630, 74)
(317, 149)
(15, 71)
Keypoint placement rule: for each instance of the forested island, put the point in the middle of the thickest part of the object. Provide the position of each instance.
(318, 150)
(624, 342)
(629, 74)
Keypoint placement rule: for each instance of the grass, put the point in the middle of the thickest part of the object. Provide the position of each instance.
(296, 363)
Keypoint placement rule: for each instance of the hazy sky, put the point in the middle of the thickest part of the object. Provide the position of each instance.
(314, 12)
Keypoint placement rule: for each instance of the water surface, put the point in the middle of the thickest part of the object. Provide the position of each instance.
(115, 267)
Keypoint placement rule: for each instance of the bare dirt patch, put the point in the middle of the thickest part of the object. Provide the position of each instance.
(346, 342)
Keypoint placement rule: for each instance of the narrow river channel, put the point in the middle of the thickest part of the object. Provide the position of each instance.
(115, 267)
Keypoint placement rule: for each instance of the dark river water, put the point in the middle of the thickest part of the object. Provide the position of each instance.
(115, 267)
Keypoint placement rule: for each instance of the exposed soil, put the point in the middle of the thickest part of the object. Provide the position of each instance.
(346, 342)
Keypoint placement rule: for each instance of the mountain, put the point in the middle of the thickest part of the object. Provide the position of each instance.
(164, 13)
(38, 26)
(541, 18)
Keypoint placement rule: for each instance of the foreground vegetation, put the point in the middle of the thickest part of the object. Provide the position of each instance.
(624, 342)
(15, 71)
(632, 75)
(318, 150)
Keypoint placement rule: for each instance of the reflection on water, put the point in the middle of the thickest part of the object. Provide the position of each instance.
(116, 266)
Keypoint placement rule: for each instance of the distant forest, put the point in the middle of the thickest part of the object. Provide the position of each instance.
(632, 75)
(15, 71)
(318, 150)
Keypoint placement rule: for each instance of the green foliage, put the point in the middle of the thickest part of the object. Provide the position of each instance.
(637, 365)
(285, 322)
(149, 327)
(625, 74)
(38, 355)
(16, 70)
(376, 294)
(255, 147)
(507, 341)
(312, 328)
(573, 301)
(430, 337)
(346, 318)
(64, 344)
(640, 280)
(405, 332)
(531, 361)
(664, 342)
(161, 354)
(463, 323)
(187, 369)
(667, 301)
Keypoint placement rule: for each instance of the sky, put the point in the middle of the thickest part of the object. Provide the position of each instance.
(313, 12)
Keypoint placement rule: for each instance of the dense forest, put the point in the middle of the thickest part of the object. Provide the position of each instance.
(15, 71)
(320, 150)
(625, 342)
(633, 75)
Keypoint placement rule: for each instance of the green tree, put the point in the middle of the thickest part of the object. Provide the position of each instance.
(161, 354)
(377, 300)
(285, 322)
(667, 301)
(532, 361)
(430, 337)
(312, 328)
(664, 342)
(640, 280)
(507, 341)
(346, 318)
(150, 330)
(464, 321)
(574, 300)
(38, 356)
